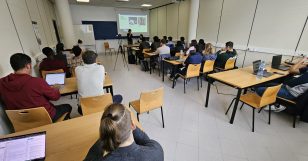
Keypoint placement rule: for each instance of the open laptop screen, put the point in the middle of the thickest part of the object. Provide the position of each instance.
(256, 64)
(55, 78)
(25, 147)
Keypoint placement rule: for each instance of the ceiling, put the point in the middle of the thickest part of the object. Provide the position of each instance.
(130, 4)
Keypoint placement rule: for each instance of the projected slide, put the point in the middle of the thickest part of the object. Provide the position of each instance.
(138, 23)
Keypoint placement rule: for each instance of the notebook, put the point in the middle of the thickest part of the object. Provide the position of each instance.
(55, 78)
(24, 147)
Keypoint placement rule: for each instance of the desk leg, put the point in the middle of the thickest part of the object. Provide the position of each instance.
(136, 58)
(208, 94)
(235, 105)
(150, 65)
(163, 69)
(111, 90)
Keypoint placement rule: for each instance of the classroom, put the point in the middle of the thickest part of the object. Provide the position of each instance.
(154, 80)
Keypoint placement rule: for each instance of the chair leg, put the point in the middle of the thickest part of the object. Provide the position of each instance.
(294, 120)
(173, 83)
(198, 82)
(148, 112)
(137, 116)
(269, 114)
(162, 116)
(201, 80)
(253, 119)
(185, 85)
(230, 106)
(260, 110)
(242, 106)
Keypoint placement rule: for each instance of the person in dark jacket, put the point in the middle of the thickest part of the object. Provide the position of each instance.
(20, 90)
(155, 44)
(224, 54)
(51, 63)
(120, 139)
(201, 44)
(143, 45)
(179, 46)
(60, 55)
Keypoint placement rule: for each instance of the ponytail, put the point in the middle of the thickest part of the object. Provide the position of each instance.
(115, 127)
(109, 132)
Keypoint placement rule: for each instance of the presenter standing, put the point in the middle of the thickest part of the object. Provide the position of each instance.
(129, 41)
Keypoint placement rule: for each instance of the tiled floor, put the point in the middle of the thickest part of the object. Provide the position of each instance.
(193, 132)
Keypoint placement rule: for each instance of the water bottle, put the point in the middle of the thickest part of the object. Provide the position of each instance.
(261, 70)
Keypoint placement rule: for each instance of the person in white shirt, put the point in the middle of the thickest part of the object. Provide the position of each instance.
(163, 50)
(192, 46)
(90, 78)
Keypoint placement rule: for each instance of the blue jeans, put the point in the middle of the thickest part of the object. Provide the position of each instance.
(117, 99)
(283, 92)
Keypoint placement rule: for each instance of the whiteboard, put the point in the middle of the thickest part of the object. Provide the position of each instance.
(85, 33)
(278, 25)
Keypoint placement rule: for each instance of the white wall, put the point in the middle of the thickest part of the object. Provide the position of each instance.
(94, 13)
(17, 34)
(171, 20)
(273, 32)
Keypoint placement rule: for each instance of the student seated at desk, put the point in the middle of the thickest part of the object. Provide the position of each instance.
(121, 140)
(192, 47)
(90, 78)
(170, 43)
(143, 45)
(20, 90)
(179, 46)
(163, 51)
(293, 88)
(194, 57)
(182, 39)
(60, 53)
(75, 60)
(224, 54)
(51, 63)
(155, 44)
(201, 45)
(209, 52)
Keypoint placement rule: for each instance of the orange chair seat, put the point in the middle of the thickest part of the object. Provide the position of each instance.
(251, 99)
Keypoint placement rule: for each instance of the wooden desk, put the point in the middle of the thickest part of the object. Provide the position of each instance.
(241, 79)
(70, 140)
(149, 55)
(70, 86)
(174, 63)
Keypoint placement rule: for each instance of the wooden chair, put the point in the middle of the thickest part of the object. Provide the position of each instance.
(149, 101)
(107, 48)
(207, 68)
(230, 64)
(30, 118)
(256, 102)
(193, 71)
(44, 72)
(95, 104)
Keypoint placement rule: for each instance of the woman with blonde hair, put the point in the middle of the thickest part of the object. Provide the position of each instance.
(209, 52)
(120, 139)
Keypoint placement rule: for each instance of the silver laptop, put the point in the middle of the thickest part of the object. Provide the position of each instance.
(31, 147)
(55, 78)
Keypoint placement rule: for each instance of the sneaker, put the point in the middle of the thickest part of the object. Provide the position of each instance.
(273, 108)
(168, 75)
(280, 108)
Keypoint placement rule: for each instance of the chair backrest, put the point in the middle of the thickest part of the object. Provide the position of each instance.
(151, 100)
(269, 96)
(193, 70)
(230, 64)
(208, 66)
(95, 104)
(106, 45)
(28, 118)
(44, 72)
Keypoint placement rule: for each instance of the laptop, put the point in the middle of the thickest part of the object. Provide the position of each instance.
(276, 63)
(55, 78)
(256, 64)
(30, 147)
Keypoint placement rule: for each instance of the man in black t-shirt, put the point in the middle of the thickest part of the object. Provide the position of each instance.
(129, 37)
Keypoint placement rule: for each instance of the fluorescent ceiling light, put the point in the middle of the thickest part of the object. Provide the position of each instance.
(146, 5)
(83, 1)
(123, 0)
